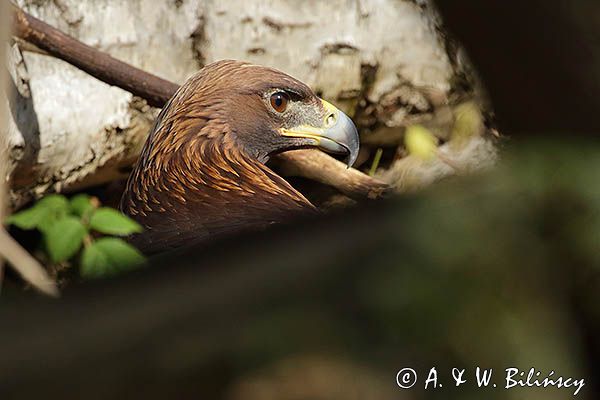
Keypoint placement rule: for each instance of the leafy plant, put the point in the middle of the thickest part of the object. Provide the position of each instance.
(75, 226)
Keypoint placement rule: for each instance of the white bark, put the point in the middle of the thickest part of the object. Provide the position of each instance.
(383, 61)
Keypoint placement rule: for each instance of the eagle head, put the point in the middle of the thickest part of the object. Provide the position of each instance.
(267, 111)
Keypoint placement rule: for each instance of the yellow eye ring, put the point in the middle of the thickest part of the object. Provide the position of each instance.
(279, 101)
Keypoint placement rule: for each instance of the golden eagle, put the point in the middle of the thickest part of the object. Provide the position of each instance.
(202, 170)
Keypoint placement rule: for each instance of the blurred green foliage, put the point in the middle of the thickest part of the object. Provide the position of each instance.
(72, 227)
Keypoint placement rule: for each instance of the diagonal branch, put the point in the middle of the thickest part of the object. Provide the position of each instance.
(156, 91)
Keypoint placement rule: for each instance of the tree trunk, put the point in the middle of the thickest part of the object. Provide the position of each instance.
(387, 63)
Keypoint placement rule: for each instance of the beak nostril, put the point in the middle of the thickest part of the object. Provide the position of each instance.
(330, 120)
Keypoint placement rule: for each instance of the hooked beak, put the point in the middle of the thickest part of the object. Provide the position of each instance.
(338, 133)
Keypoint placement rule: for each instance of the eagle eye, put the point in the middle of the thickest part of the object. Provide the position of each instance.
(279, 101)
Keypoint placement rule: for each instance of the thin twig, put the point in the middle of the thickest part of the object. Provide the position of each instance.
(376, 161)
(27, 266)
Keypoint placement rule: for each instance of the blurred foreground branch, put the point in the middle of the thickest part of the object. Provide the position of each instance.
(156, 91)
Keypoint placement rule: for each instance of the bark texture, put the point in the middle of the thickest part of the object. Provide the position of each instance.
(387, 63)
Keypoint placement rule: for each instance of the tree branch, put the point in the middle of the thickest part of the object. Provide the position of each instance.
(156, 91)
(316, 165)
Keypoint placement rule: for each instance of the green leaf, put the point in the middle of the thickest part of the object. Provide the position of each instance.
(54, 202)
(55, 206)
(63, 238)
(81, 205)
(420, 142)
(42, 214)
(95, 262)
(112, 222)
(27, 219)
(109, 256)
